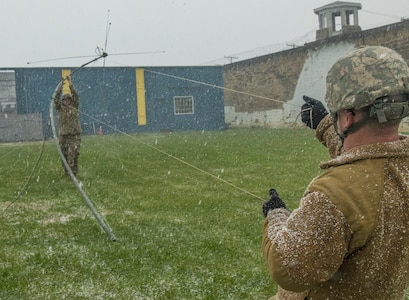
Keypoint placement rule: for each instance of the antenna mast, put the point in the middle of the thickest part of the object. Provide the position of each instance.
(108, 26)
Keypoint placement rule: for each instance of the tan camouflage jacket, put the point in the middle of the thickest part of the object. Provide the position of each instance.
(69, 123)
(349, 237)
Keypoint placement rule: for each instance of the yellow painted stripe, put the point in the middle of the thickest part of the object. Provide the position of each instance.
(65, 87)
(140, 96)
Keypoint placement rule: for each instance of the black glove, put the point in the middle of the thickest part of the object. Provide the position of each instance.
(273, 203)
(312, 112)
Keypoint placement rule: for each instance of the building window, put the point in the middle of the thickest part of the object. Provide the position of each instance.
(350, 17)
(323, 21)
(183, 105)
(336, 22)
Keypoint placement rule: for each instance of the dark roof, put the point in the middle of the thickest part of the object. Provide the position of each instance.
(338, 4)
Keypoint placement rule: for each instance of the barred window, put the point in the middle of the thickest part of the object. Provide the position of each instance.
(183, 105)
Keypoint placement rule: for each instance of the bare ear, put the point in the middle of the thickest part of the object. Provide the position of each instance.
(346, 119)
(350, 118)
(351, 111)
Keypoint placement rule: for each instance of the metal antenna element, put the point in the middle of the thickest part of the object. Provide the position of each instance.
(107, 34)
(101, 55)
(61, 58)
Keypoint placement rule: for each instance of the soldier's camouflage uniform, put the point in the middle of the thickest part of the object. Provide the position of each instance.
(69, 128)
(349, 237)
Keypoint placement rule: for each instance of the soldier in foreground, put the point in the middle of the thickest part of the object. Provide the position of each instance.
(70, 130)
(349, 237)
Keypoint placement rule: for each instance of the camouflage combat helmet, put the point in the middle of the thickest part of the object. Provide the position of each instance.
(364, 75)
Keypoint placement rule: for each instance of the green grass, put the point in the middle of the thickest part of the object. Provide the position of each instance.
(185, 208)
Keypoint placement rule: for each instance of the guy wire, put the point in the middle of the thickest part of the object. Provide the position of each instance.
(221, 87)
(104, 54)
(213, 85)
(20, 193)
(174, 157)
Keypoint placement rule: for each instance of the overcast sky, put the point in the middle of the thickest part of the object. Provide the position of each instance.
(164, 32)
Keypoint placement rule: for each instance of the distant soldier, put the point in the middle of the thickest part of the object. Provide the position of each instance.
(69, 125)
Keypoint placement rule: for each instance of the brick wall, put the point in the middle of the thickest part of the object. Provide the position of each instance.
(256, 88)
(273, 77)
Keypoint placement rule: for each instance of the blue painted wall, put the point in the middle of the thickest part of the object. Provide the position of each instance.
(108, 97)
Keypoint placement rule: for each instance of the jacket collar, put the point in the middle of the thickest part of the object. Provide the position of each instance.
(398, 148)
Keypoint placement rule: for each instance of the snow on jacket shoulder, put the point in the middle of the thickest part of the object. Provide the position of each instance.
(349, 238)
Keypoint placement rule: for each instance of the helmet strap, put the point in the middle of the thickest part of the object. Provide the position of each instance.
(351, 129)
(385, 111)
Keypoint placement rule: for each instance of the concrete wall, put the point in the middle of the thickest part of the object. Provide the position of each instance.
(267, 90)
(18, 128)
(311, 81)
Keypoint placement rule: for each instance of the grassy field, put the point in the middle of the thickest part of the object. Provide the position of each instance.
(185, 208)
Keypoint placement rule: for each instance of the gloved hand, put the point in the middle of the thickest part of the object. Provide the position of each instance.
(274, 202)
(312, 112)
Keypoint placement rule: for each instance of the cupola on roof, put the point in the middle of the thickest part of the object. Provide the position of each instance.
(337, 18)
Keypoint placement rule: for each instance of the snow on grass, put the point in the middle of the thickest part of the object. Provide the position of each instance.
(182, 234)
